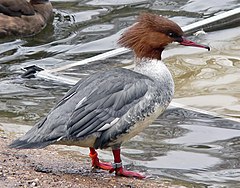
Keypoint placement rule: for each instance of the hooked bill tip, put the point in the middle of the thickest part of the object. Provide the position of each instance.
(186, 42)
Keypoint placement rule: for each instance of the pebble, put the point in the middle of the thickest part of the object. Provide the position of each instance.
(34, 183)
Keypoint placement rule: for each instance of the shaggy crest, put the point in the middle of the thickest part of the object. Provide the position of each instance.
(150, 35)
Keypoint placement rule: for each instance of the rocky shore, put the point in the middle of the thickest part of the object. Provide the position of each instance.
(49, 168)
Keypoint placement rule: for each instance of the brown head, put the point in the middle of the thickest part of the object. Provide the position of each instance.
(151, 34)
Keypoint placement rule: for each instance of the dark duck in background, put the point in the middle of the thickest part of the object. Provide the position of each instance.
(108, 108)
(23, 18)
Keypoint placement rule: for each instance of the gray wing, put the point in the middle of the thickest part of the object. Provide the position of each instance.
(113, 95)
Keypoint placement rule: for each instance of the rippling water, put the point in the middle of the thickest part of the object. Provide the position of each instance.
(192, 151)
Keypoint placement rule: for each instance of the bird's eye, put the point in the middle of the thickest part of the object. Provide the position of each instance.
(173, 35)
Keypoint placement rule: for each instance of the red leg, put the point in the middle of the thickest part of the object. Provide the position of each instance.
(96, 163)
(119, 170)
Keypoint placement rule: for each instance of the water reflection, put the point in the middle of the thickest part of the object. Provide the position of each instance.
(189, 145)
(210, 82)
(182, 145)
(209, 7)
(201, 135)
(177, 160)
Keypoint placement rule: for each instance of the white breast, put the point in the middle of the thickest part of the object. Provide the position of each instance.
(155, 69)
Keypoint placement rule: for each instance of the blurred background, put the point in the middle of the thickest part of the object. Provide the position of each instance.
(195, 153)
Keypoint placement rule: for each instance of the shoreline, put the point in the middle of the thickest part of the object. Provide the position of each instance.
(50, 168)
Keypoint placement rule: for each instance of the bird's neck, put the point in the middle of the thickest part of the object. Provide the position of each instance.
(152, 68)
(160, 75)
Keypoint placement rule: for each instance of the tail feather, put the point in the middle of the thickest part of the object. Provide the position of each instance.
(37, 137)
(23, 144)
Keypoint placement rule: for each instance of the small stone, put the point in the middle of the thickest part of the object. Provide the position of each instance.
(34, 182)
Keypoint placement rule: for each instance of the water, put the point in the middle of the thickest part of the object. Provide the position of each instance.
(198, 150)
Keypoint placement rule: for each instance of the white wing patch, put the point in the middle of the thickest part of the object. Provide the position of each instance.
(108, 125)
(80, 102)
(68, 97)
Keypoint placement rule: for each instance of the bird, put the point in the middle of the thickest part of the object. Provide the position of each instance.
(23, 18)
(107, 108)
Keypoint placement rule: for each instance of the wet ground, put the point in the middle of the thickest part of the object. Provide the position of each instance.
(52, 168)
(192, 151)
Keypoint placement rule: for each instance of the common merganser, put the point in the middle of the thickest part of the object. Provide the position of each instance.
(108, 108)
(23, 18)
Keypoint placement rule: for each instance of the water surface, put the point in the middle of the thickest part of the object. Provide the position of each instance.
(200, 150)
